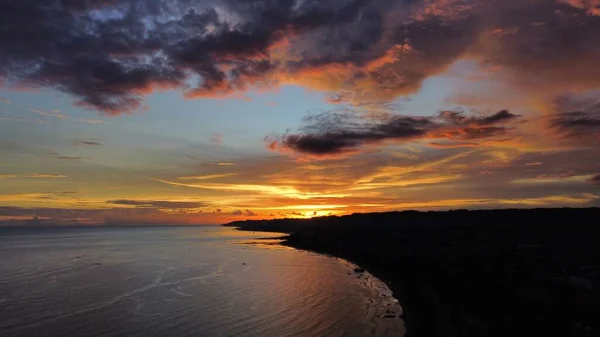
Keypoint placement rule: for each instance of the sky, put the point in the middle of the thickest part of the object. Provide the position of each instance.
(205, 112)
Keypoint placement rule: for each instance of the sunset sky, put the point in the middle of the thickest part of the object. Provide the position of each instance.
(201, 112)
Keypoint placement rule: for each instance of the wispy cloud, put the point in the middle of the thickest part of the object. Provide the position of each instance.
(61, 116)
(208, 176)
(52, 114)
(51, 176)
(286, 191)
(405, 182)
(60, 156)
(546, 201)
(5, 101)
(34, 175)
(87, 142)
(163, 204)
(557, 179)
(216, 138)
(398, 172)
(24, 120)
(89, 121)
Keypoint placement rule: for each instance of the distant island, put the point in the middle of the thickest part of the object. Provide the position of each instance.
(467, 273)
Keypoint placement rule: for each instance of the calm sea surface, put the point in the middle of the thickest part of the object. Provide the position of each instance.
(181, 281)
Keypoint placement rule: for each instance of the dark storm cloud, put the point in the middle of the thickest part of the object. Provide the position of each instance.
(158, 204)
(595, 179)
(574, 122)
(338, 133)
(459, 118)
(577, 118)
(108, 54)
(330, 134)
(456, 126)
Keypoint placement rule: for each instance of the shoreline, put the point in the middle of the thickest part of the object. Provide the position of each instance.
(359, 269)
(397, 292)
(393, 287)
(470, 273)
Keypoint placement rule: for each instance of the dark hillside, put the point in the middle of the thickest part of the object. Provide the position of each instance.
(472, 273)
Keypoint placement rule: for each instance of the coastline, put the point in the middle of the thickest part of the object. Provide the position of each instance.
(391, 281)
(363, 271)
(469, 273)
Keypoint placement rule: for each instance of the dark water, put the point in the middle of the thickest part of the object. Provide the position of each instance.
(181, 281)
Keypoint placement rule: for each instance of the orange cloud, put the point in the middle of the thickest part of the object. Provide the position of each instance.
(591, 6)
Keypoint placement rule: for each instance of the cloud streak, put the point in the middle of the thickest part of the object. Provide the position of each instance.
(32, 176)
(161, 204)
(52, 114)
(88, 142)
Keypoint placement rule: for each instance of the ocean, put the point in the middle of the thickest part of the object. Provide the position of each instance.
(182, 281)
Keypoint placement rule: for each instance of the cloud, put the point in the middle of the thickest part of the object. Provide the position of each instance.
(238, 212)
(452, 145)
(59, 156)
(158, 204)
(215, 163)
(88, 142)
(576, 117)
(109, 54)
(33, 176)
(47, 176)
(89, 121)
(216, 138)
(334, 134)
(269, 189)
(592, 7)
(24, 120)
(5, 101)
(576, 123)
(208, 176)
(115, 216)
(250, 213)
(339, 133)
(53, 114)
(458, 118)
(564, 178)
(595, 179)
(61, 116)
